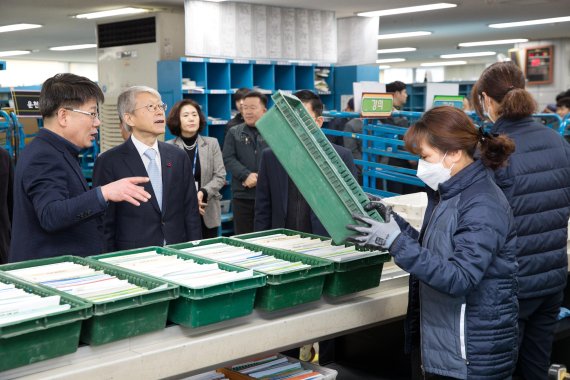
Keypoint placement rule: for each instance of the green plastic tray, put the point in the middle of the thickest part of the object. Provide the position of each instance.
(282, 290)
(203, 306)
(40, 338)
(314, 165)
(123, 317)
(348, 277)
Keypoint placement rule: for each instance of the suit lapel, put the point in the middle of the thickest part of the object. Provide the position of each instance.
(166, 168)
(76, 168)
(134, 162)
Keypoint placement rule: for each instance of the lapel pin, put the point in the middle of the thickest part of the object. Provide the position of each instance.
(169, 164)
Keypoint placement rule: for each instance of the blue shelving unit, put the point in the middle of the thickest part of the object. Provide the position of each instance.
(217, 79)
(417, 95)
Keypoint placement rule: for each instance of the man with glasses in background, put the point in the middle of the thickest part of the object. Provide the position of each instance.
(171, 215)
(55, 211)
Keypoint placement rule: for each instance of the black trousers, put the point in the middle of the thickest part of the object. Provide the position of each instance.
(243, 215)
(537, 321)
(208, 233)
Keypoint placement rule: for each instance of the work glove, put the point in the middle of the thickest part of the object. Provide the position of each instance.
(373, 234)
(377, 204)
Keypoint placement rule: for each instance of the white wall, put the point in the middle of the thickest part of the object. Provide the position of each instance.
(30, 73)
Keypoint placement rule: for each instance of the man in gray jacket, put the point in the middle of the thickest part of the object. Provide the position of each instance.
(242, 154)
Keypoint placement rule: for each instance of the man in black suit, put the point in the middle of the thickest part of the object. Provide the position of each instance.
(6, 203)
(171, 216)
(278, 202)
(55, 212)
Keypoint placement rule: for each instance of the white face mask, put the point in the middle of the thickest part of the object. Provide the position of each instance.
(433, 173)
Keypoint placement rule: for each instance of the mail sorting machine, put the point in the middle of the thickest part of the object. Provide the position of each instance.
(380, 139)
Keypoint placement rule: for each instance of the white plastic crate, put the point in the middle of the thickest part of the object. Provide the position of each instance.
(411, 207)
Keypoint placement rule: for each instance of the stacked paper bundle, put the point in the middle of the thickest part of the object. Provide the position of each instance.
(212, 375)
(17, 304)
(311, 246)
(276, 367)
(79, 280)
(172, 268)
(246, 258)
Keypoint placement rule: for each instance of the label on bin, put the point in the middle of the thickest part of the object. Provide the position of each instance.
(448, 100)
(376, 104)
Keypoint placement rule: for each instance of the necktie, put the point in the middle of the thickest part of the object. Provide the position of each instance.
(154, 175)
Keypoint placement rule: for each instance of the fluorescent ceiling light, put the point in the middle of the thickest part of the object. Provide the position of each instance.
(530, 22)
(11, 53)
(444, 63)
(402, 35)
(382, 67)
(390, 60)
(398, 11)
(14, 27)
(495, 42)
(397, 50)
(112, 12)
(73, 47)
(466, 55)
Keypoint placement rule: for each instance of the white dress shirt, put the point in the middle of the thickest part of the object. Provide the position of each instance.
(142, 147)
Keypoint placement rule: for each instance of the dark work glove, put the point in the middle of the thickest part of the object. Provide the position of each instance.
(373, 234)
(384, 210)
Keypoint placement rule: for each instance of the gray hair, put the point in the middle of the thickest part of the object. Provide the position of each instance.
(127, 101)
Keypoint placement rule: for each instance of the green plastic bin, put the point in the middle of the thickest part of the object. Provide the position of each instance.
(203, 306)
(348, 277)
(123, 317)
(281, 290)
(40, 338)
(313, 164)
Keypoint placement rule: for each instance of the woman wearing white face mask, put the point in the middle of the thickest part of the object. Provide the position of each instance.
(537, 185)
(463, 262)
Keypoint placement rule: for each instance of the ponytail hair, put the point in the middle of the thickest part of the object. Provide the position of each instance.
(504, 82)
(495, 149)
(450, 129)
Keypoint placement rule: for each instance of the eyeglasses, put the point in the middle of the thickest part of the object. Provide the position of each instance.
(153, 107)
(94, 115)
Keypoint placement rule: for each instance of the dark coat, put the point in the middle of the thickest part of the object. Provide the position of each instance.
(272, 192)
(55, 213)
(6, 203)
(127, 226)
(242, 154)
(463, 274)
(537, 185)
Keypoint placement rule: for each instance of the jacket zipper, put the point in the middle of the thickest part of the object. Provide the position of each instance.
(462, 333)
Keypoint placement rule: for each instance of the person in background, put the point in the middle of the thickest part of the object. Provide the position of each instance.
(243, 146)
(55, 212)
(172, 215)
(536, 182)
(238, 101)
(467, 104)
(6, 203)
(186, 121)
(462, 301)
(563, 107)
(278, 201)
(398, 89)
(339, 123)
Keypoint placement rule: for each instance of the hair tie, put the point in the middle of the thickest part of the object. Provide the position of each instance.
(485, 135)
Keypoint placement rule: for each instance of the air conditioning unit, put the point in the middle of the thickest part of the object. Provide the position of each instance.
(127, 55)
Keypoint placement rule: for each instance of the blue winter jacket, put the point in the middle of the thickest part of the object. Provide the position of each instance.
(463, 286)
(536, 182)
